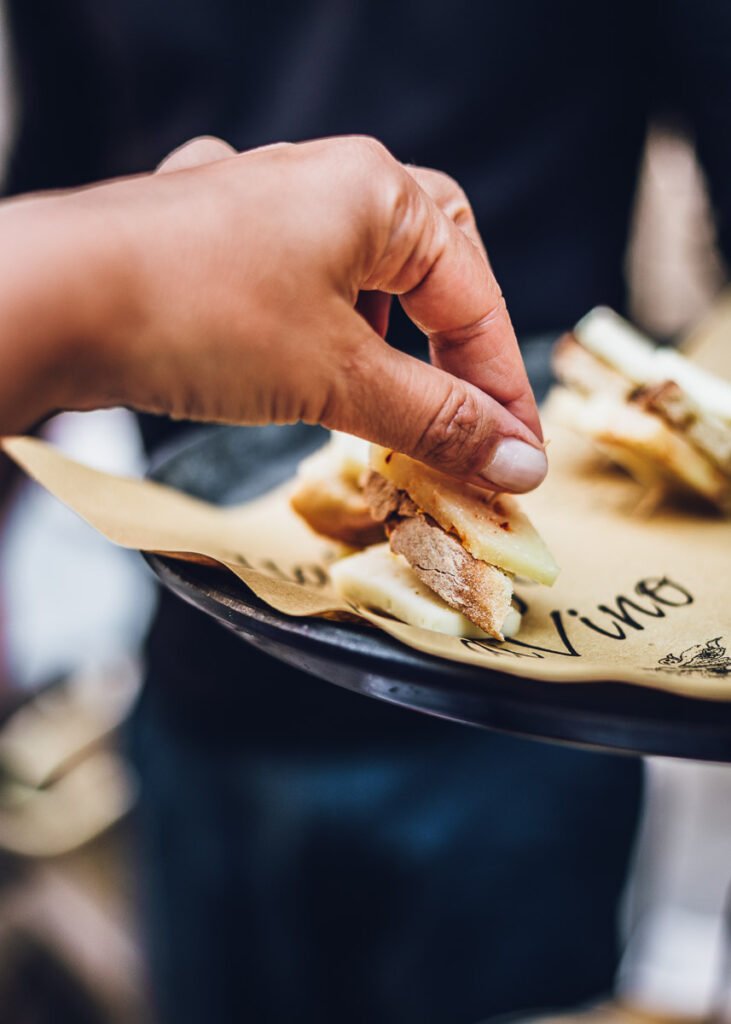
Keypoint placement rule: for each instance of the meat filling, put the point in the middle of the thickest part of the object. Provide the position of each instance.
(480, 591)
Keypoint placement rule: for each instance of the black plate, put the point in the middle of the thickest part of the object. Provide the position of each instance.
(232, 465)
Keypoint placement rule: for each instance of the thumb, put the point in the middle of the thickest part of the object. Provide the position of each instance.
(397, 401)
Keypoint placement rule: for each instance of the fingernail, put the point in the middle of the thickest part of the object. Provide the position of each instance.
(515, 466)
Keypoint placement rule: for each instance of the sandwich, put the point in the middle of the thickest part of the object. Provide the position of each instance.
(452, 555)
(380, 579)
(649, 409)
(328, 492)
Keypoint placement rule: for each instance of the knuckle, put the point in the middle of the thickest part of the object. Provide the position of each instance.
(450, 194)
(200, 150)
(370, 148)
(389, 195)
(364, 154)
(212, 142)
(451, 185)
(455, 202)
(459, 210)
(449, 438)
(460, 337)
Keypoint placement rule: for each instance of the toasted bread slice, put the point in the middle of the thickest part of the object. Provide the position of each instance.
(490, 526)
(381, 580)
(707, 433)
(335, 508)
(480, 591)
(584, 372)
(328, 493)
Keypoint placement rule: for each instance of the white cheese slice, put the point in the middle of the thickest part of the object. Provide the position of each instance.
(378, 579)
(617, 343)
(640, 442)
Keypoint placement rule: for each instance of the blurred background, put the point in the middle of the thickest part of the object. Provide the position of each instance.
(73, 615)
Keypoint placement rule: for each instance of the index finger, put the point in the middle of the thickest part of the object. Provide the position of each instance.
(451, 199)
(458, 302)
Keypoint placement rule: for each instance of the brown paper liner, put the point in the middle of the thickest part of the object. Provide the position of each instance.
(640, 599)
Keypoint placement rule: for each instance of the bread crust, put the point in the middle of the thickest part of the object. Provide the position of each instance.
(582, 371)
(480, 591)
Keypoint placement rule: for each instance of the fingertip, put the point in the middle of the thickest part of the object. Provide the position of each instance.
(514, 465)
(526, 410)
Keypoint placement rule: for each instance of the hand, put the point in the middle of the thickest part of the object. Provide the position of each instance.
(252, 289)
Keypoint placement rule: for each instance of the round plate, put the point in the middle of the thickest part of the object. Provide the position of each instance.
(230, 465)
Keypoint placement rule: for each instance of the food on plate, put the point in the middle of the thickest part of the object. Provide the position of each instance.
(464, 543)
(453, 549)
(380, 579)
(650, 409)
(328, 492)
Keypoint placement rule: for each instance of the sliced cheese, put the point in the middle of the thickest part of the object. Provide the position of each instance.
(378, 579)
(621, 346)
(640, 442)
(491, 527)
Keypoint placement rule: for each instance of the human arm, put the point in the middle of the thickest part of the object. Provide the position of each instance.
(228, 290)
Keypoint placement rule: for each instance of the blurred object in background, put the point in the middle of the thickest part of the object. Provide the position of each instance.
(703, 341)
(675, 961)
(7, 120)
(677, 957)
(74, 612)
(673, 265)
(69, 599)
(68, 941)
(61, 784)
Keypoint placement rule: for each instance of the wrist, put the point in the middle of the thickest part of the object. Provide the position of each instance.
(58, 292)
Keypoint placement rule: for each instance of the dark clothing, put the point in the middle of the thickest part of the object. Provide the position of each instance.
(539, 109)
(432, 881)
(316, 856)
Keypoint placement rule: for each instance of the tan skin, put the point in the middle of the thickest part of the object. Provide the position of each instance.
(254, 288)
